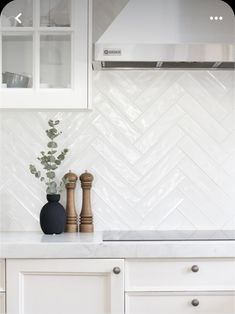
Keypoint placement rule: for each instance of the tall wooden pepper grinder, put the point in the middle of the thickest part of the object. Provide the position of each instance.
(71, 215)
(86, 217)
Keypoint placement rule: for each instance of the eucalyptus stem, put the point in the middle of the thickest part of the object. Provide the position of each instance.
(49, 162)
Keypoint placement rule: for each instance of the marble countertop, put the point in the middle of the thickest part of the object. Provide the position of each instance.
(37, 245)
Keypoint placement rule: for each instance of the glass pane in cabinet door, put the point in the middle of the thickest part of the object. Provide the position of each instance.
(18, 13)
(17, 61)
(55, 13)
(55, 61)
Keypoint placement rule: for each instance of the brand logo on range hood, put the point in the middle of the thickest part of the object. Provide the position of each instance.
(112, 52)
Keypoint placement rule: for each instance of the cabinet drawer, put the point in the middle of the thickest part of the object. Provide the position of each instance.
(179, 274)
(152, 303)
(2, 303)
(2, 275)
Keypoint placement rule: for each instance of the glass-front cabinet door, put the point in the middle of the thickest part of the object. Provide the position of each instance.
(45, 54)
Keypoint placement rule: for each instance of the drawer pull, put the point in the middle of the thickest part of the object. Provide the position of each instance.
(195, 302)
(116, 270)
(195, 268)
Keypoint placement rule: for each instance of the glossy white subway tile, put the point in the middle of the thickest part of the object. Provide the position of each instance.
(160, 145)
(202, 139)
(208, 101)
(203, 118)
(157, 130)
(202, 160)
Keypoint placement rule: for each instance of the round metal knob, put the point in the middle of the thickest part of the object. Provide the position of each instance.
(195, 302)
(195, 268)
(116, 270)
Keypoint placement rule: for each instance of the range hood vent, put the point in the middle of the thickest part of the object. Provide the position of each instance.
(168, 34)
(125, 65)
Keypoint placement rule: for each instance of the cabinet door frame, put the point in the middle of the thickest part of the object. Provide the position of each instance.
(18, 268)
(79, 96)
(2, 303)
(2, 275)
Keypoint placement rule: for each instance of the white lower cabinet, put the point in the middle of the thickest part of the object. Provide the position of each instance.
(180, 286)
(96, 286)
(176, 303)
(84, 286)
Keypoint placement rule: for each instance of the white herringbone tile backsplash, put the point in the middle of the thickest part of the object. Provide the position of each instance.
(161, 146)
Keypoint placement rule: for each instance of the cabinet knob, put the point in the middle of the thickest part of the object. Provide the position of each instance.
(195, 302)
(195, 268)
(116, 270)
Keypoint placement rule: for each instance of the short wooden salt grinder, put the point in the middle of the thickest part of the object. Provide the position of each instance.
(86, 217)
(71, 215)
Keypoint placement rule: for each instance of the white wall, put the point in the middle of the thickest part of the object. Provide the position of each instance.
(161, 146)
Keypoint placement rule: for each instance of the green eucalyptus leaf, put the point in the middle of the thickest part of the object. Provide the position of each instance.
(51, 137)
(52, 159)
(50, 174)
(47, 167)
(51, 123)
(38, 174)
(52, 152)
(53, 184)
(52, 133)
(52, 145)
(32, 169)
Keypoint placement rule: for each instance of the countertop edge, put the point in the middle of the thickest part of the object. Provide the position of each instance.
(166, 249)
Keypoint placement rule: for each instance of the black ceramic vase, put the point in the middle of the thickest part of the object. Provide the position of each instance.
(53, 216)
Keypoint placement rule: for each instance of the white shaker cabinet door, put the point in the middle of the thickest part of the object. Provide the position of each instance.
(180, 303)
(88, 286)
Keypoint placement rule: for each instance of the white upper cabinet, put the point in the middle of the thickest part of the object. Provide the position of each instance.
(45, 50)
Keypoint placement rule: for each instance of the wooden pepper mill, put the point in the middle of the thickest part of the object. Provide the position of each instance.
(71, 215)
(86, 217)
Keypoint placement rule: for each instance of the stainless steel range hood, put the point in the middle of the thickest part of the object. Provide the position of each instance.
(161, 34)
